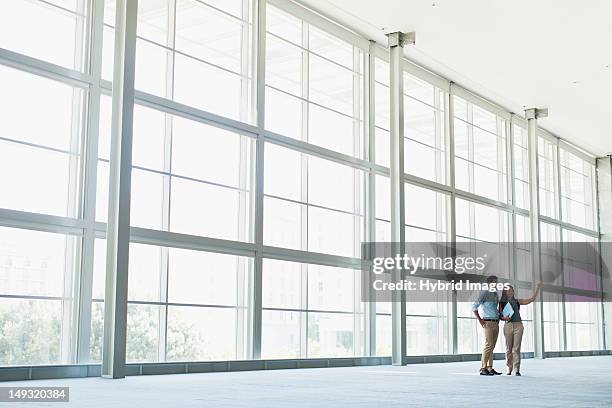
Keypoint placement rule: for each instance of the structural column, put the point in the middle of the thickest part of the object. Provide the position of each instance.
(370, 209)
(451, 214)
(118, 228)
(255, 310)
(397, 41)
(532, 116)
(604, 205)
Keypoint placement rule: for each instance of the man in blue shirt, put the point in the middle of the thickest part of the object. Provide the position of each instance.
(490, 323)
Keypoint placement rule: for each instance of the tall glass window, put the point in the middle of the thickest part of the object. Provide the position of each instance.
(52, 31)
(314, 85)
(382, 111)
(425, 136)
(194, 52)
(175, 297)
(37, 289)
(310, 311)
(194, 249)
(304, 210)
(547, 185)
(42, 156)
(577, 190)
(520, 165)
(480, 151)
(187, 177)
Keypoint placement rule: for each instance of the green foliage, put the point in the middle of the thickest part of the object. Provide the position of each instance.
(30, 332)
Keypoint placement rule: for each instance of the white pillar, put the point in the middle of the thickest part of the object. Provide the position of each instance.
(532, 116)
(118, 228)
(396, 170)
(255, 315)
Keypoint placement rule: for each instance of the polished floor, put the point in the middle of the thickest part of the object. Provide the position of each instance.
(554, 382)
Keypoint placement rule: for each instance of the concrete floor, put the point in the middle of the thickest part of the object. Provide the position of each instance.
(555, 382)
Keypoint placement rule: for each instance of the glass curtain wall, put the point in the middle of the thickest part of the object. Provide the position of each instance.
(195, 244)
(604, 201)
(573, 322)
(42, 145)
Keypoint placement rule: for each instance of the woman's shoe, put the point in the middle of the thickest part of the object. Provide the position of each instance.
(509, 373)
(517, 374)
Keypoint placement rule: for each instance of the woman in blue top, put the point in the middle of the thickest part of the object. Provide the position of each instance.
(513, 328)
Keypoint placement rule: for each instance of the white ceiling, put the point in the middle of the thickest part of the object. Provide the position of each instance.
(518, 53)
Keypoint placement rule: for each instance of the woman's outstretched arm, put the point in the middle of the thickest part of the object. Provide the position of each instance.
(532, 298)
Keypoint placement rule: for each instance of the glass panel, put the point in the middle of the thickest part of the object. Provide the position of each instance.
(426, 335)
(146, 199)
(332, 232)
(33, 263)
(280, 334)
(144, 272)
(207, 153)
(330, 85)
(283, 66)
(208, 34)
(521, 168)
(52, 142)
(419, 89)
(204, 278)
(480, 151)
(322, 216)
(36, 263)
(44, 31)
(148, 140)
(203, 209)
(332, 130)
(553, 333)
(283, 25)
(330, 47)
(577, 190)
(143, 333)
(324, 296)
(153, 20)
(330, 335)
(26, 96)
(97, 332)
(31, 332)
(282, 223)
(49, 188)
(206, 87)
(383, 335)
(313, 90)
(426, 210)
(327, 288)
(547, 155)
(284, 114)
(281, 284)
(190, 337)
(481, 222)
(151, 65)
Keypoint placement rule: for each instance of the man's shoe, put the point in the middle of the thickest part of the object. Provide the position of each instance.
(518, 374)
(509, 373)
(493, 372)
(485, 372)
